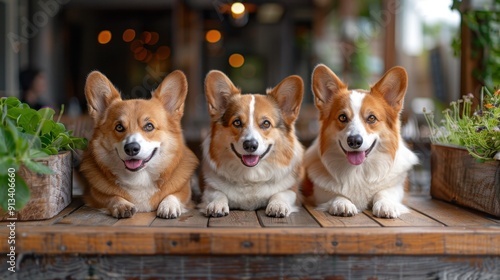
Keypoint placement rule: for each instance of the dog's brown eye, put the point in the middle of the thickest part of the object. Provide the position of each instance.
(343, 118)
(119, 128)
(237, 123)
(371, 119)
(265, 124)
(149, 127)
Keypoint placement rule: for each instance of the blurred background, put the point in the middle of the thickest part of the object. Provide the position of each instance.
(256, 42)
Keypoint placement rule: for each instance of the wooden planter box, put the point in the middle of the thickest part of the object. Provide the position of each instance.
(459, 178)
(50, 194)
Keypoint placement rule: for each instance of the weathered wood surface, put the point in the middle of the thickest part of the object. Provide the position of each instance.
(430, 228)
(236, 218)
(50, 194)
(457, 177)
(435, 240)
(310, 266)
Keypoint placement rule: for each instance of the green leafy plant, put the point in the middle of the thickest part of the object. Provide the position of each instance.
(478, 132)
(26, 135)
(484, 23)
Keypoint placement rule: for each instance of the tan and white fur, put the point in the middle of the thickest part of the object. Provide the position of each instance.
(251, 157)
(358, 160)
(137, 160)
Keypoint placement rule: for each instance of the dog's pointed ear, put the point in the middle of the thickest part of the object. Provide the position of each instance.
(218, 88)
(288, 93)
(392, 86)
(172, 92)
(325, 84)
(100, 93)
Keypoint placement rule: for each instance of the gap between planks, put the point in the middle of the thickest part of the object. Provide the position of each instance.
(367, 219)
(327, 220)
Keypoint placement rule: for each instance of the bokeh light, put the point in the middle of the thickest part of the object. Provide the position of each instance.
(155, 37)
(163, 52)
(146, 37)
(128, 35)
(104, 37)
(237, 8)
(213, 36)
(236, 60)
(141, 54)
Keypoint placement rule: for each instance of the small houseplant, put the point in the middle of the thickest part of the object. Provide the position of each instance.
(466, 152)
(478, 131)
(31, 142)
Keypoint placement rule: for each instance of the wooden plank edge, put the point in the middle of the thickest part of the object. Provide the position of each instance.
(270, 241)
(440, 211)
(72, 207)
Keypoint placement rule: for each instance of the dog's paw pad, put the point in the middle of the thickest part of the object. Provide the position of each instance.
(388, 209)
(343, 207)
(123, 210)
(278, 209)
(169, 208)
(217, 209)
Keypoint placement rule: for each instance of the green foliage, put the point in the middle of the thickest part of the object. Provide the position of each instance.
(485, 25)
(478, 132)
(27, 134)
(44, 134)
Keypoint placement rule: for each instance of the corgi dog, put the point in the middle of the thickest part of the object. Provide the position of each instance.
(359, 159)
(136, 160)
(251, 157)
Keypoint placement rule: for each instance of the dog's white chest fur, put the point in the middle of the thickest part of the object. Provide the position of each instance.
(141, 187)
(248, 195)
(248, 189)
(358, 183)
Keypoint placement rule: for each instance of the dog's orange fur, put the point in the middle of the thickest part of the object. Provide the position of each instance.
(174, 163)
(336, 181)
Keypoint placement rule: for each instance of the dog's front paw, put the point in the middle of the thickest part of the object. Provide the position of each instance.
(341, 206)
(217, 209)
(386, 208)
(278, 209)
(123, 209)
(169, 208)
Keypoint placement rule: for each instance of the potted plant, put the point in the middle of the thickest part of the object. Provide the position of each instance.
(465, 157)
(35, 161)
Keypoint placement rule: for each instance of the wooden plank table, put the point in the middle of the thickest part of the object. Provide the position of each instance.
(436, 240)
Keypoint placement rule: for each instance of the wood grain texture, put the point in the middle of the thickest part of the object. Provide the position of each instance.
(297, 219)
(327, 220)
(87, 216)
(457, 177)
(139, 219)
(73, 206)
(431, 228)
(413, 218)
(448, 214)
(50, 194)
(192, 218)
(275, 241)
(236, 218)
(309, 266)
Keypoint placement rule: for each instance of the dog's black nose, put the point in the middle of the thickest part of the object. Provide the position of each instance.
(355, 141)
(250, 145)
(132, 149)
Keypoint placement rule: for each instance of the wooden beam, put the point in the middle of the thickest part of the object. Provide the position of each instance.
(468, 62)
(391, 9)
(269, 241)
